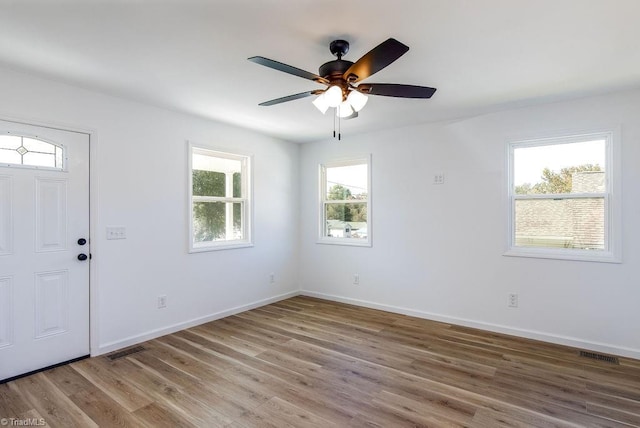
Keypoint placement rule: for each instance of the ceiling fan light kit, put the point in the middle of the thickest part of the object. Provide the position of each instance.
(321, 103)
(344, 110)
(357, 100)
(333, 96)
(342, 77)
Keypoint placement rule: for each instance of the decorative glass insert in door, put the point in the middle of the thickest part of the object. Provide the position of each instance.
(18, 150)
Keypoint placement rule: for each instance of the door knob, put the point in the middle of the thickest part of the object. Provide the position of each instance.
(82, 257)
(82, 241)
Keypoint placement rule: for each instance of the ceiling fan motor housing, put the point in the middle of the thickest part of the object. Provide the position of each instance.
(335, 69)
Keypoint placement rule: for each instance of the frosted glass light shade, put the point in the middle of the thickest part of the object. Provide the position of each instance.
(344, 109)
(333, 95)
(321, 103)
(357, 100)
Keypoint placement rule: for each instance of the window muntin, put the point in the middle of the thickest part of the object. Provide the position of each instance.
(560, 191)
(30, 152)
(345, 202)
(220, 204)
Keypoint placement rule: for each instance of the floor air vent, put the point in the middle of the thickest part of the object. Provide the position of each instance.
(124, 353)
(599, 357)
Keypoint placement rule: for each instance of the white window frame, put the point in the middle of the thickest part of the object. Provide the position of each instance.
(611, 195)
(322, 202)
(245, 199)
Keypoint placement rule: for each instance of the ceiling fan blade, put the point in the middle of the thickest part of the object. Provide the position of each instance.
(395, 90)
(375, 60)
(289, 98)
(288, 69)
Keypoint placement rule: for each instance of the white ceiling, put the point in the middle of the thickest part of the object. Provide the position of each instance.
(190, 56)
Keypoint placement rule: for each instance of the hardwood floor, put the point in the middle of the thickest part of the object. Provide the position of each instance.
(305, 362)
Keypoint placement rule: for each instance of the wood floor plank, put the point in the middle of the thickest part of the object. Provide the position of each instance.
(443, 410)
(604, 404)
(12, 403)
(278, 413)
(489, 418)
(254, 338)
(308, 362)
(170, 395)
(68, 380)
(97, 372)
(230, 390)
(51, 402)
(223, 336)
(102, 409)
(156, 416)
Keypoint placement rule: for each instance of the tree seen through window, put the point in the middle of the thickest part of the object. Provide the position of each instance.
(210, 216)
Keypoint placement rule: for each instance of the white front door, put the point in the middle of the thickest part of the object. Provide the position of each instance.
(44, 218)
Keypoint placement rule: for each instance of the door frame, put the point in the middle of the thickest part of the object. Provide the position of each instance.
(93, 209)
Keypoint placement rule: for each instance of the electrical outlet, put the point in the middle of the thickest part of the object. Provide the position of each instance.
(356, 279)
(272, 278)
(162, 301)
(438, 178)
(513, 300)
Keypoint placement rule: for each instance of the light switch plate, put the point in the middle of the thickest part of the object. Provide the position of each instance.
(116, 232)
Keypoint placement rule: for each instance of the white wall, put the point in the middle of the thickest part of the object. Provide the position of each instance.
(437, 255)
(139, 180)
(437, 249)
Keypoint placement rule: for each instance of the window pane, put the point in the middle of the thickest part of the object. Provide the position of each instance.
(238, 233)
(237, 185)
(58, 157)
(209, 221)
(560, 168)
(38, 146)
(208, 183)
(10, 156)
(212, 175)
(347, 182)
(346, 220)
(560, 223)
(10, 142)
(39, 159)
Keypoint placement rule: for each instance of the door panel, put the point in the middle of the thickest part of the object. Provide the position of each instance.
(44, 288)
(52, 303)
(51, 215)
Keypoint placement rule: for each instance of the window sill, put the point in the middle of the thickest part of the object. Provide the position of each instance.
(575, 255)
(345, 242)
(217, 247)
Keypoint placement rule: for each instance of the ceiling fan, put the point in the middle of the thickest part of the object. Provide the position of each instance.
(342, 78)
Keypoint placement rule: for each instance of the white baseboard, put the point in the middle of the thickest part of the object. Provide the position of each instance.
(133, 340)
(529, 334)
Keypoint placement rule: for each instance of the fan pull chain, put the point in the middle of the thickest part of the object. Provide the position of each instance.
(334, 126)
(334, 123)
(339, 129)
